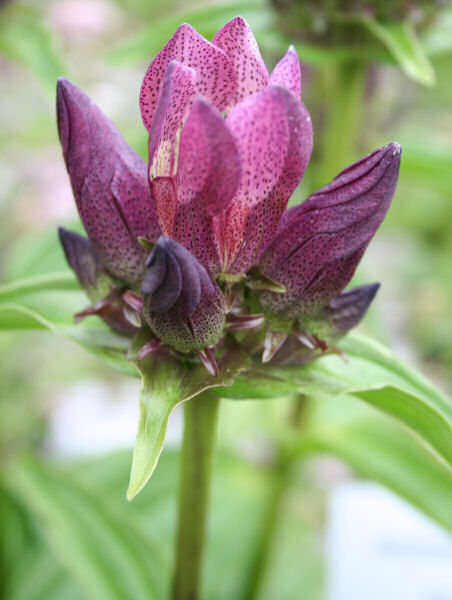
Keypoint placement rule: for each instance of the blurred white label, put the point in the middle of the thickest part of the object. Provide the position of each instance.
(381, 548)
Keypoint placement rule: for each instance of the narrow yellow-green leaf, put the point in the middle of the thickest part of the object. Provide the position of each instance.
(402, 42)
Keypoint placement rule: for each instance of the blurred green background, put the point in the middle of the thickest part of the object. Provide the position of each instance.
(373, 72)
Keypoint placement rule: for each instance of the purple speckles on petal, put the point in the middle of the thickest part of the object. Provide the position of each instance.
(176, 97)
(287, 73)
(237, 39)
(198, 246)
(322, 240)
(207, 179)
(109, 181)
(164, 193)
(215, 76)
(273, 133)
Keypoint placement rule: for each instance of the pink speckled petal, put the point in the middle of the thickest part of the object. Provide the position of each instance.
(236, 38)
(207, 179)
(215, 75)
(321, 241)
(109, 181)
(164, 193)
(287, 73)
(175, 99)
(274, 136)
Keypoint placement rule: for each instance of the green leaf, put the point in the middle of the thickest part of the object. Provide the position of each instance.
(45, 579)
(259, 383)
(166, 382)
(102, 342)
(402, 42)
(50, 302)
(60, 281)
(24, 38)
(15, 316)
(383, 451)
(102, 550)
(375, 375)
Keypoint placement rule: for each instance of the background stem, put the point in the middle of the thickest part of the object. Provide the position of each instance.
(200, 420)
(280, 484)
(344, 87)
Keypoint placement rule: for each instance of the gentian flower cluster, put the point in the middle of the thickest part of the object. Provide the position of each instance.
(198, 246)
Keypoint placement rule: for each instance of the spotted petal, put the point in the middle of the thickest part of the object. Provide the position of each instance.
(287, 72)
(175, 99)
(273, 133)
(215, 76)
(207, 179)
(321, 241)
(109, 181)
(236, 38)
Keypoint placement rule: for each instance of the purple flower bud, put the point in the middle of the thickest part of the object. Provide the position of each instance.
(348, 308)
(109, 181)
(321, 241)
(86, 263)
(182, 305)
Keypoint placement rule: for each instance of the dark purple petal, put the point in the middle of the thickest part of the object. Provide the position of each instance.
(162, 282)
(237, 40)
(85, 262)
(348, 308)
(181, 304)
(207, 178)
(176, 96)
(273, 134)
(109, 181)
(215, 76)
(287, 73)
(111, 310)
(322, 240)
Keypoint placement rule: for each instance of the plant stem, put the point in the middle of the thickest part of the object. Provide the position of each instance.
(280, 484)
(270, 522)
(343, 86)
(200, 420)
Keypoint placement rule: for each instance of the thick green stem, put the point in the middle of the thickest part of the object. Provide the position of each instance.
(200, 420)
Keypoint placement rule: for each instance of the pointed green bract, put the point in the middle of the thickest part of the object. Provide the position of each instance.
(166, 382)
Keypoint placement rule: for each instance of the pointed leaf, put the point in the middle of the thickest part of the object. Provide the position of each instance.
(64, 280)
(402, 42)
(104, 552)
(379, 378)
(382, 451)
(166, 382)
